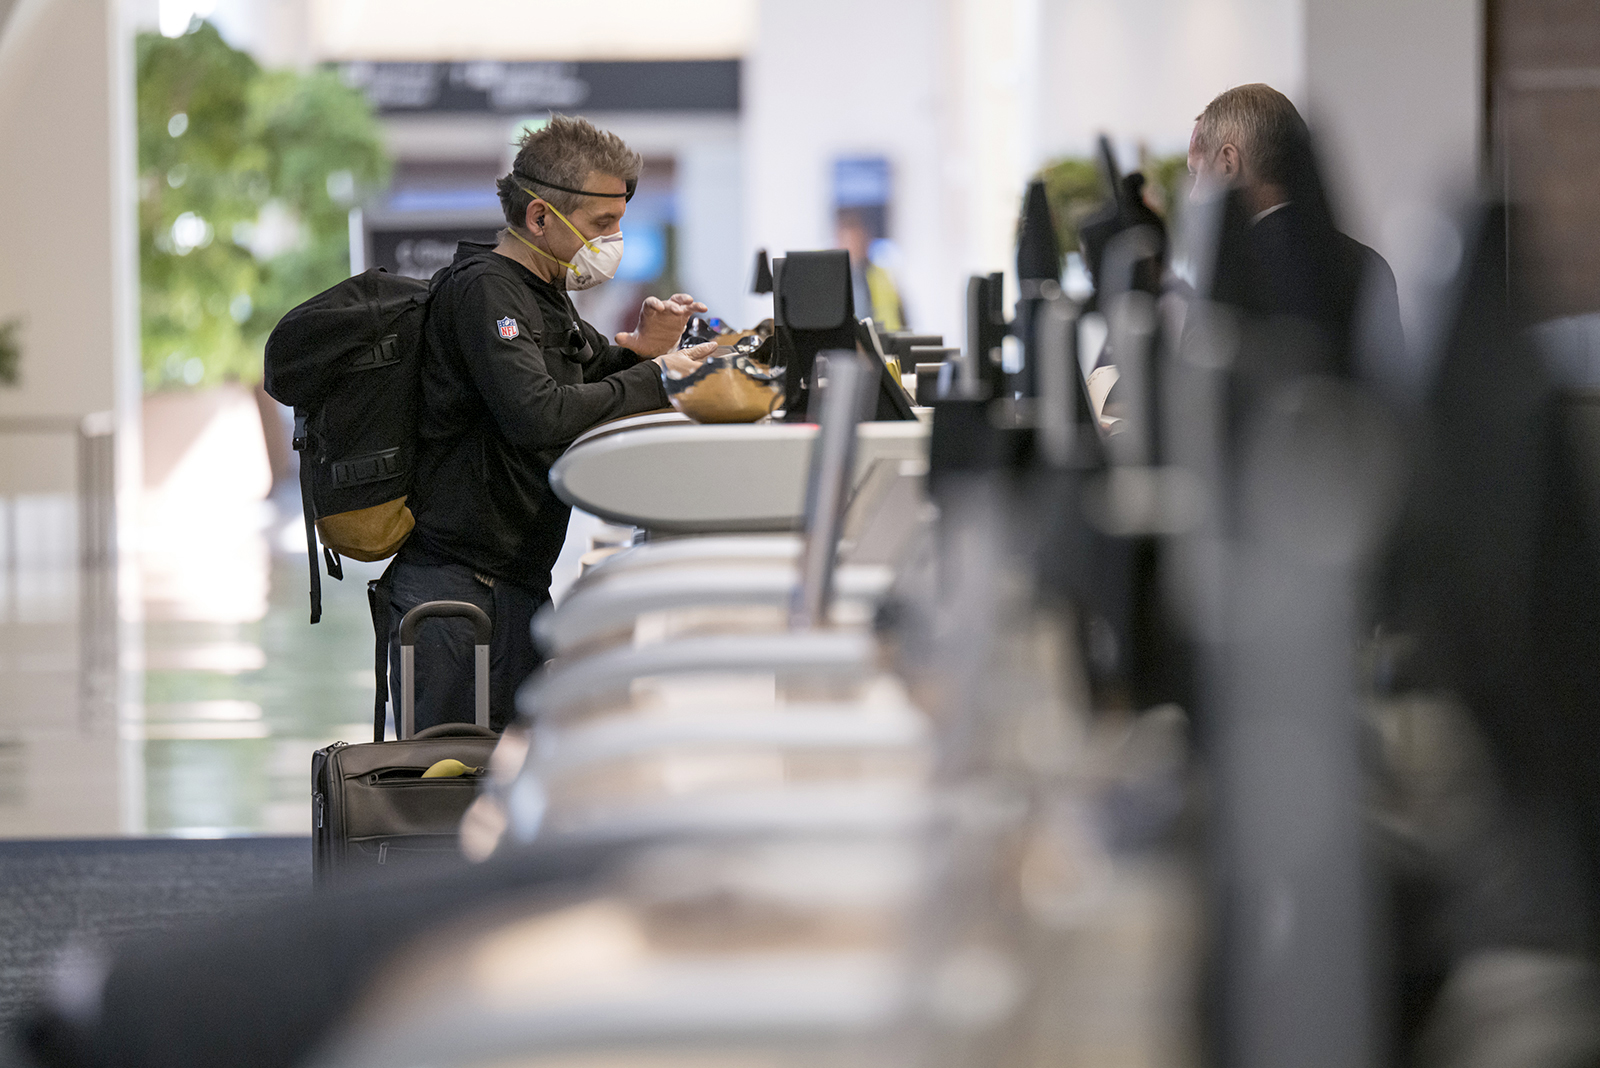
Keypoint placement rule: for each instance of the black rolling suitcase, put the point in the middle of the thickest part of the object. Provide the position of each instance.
(370, 806)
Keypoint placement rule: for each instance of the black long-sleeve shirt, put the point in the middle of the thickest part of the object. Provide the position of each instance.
(510, 376)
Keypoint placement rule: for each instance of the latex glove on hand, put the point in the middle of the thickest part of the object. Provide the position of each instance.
(661, 324)
(686, 361)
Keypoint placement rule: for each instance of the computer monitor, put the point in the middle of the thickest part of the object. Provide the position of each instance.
(814, 310)
(892, 400)
(986, 331)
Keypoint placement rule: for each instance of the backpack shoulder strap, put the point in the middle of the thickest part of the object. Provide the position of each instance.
(310, 514)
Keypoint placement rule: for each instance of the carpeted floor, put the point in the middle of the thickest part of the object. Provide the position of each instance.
(98, 892)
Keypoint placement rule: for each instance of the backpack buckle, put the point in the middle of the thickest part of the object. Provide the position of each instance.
(299, 441)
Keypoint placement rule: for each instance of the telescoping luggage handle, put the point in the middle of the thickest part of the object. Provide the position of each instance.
(481, 630)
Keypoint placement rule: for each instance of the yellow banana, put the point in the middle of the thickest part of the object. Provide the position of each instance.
(449, 768)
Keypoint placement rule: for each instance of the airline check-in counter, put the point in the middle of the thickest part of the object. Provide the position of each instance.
(684, 690)
(740, 752)
(720, 508)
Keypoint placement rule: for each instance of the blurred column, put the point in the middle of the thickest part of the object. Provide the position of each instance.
(66, 180)
(70, 272)
(710, 214)
(948, 91)
(68, 275)
(1395, 95)
(834, 78)
(995, 51)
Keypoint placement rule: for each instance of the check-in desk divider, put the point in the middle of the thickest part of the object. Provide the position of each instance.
(849, 385)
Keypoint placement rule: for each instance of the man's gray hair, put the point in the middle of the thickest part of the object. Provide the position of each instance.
(565, 151)
(1260, 122)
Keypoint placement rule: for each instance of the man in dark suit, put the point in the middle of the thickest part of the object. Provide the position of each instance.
(1285, 260)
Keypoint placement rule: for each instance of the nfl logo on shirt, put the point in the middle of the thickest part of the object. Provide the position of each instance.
(508, 327)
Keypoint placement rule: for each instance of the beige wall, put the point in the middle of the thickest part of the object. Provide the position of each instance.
(1141, 70)
(68, 264)
(966, 98)
(910, 81)
(1394, 90)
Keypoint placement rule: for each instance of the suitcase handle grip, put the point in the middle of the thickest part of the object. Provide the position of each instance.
(482, 630)
(481, 627)
(455, 730)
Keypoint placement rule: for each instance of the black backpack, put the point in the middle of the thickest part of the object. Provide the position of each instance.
(349, 362)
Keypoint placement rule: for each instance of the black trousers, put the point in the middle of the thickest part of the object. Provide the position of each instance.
(445, 662)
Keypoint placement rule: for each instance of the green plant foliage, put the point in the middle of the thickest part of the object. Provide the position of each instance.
(246, 178)
(10, 353)
(1074, 189)
(1166, 185)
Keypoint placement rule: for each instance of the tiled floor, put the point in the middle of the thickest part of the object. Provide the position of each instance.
(59, 761)
(183, 694)
(220, 692)
(232, 710)
(220, 696)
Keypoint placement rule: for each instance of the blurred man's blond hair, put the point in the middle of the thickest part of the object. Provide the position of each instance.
(1257, 120)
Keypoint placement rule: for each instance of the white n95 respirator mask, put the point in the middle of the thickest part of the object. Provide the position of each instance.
(595, 262)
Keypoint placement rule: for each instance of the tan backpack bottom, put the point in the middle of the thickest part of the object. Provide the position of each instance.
(374, 533)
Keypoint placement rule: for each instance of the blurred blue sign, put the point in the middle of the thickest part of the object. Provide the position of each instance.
(445, 200)
(644, 253)
(860, 182)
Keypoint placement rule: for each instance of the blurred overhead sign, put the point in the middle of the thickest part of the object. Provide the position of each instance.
(517, 88)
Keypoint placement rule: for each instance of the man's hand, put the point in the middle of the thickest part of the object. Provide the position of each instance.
(686, 361)
(661, 324)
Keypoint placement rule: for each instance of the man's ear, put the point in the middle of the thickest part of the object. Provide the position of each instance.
(533, 218)
(1229, 161)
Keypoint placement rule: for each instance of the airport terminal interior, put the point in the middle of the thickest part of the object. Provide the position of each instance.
(1053, 533)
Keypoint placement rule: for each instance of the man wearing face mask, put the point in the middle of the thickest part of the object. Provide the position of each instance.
(510, 376)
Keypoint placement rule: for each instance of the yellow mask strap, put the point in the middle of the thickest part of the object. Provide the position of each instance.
(588, 243)
(512, 231)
